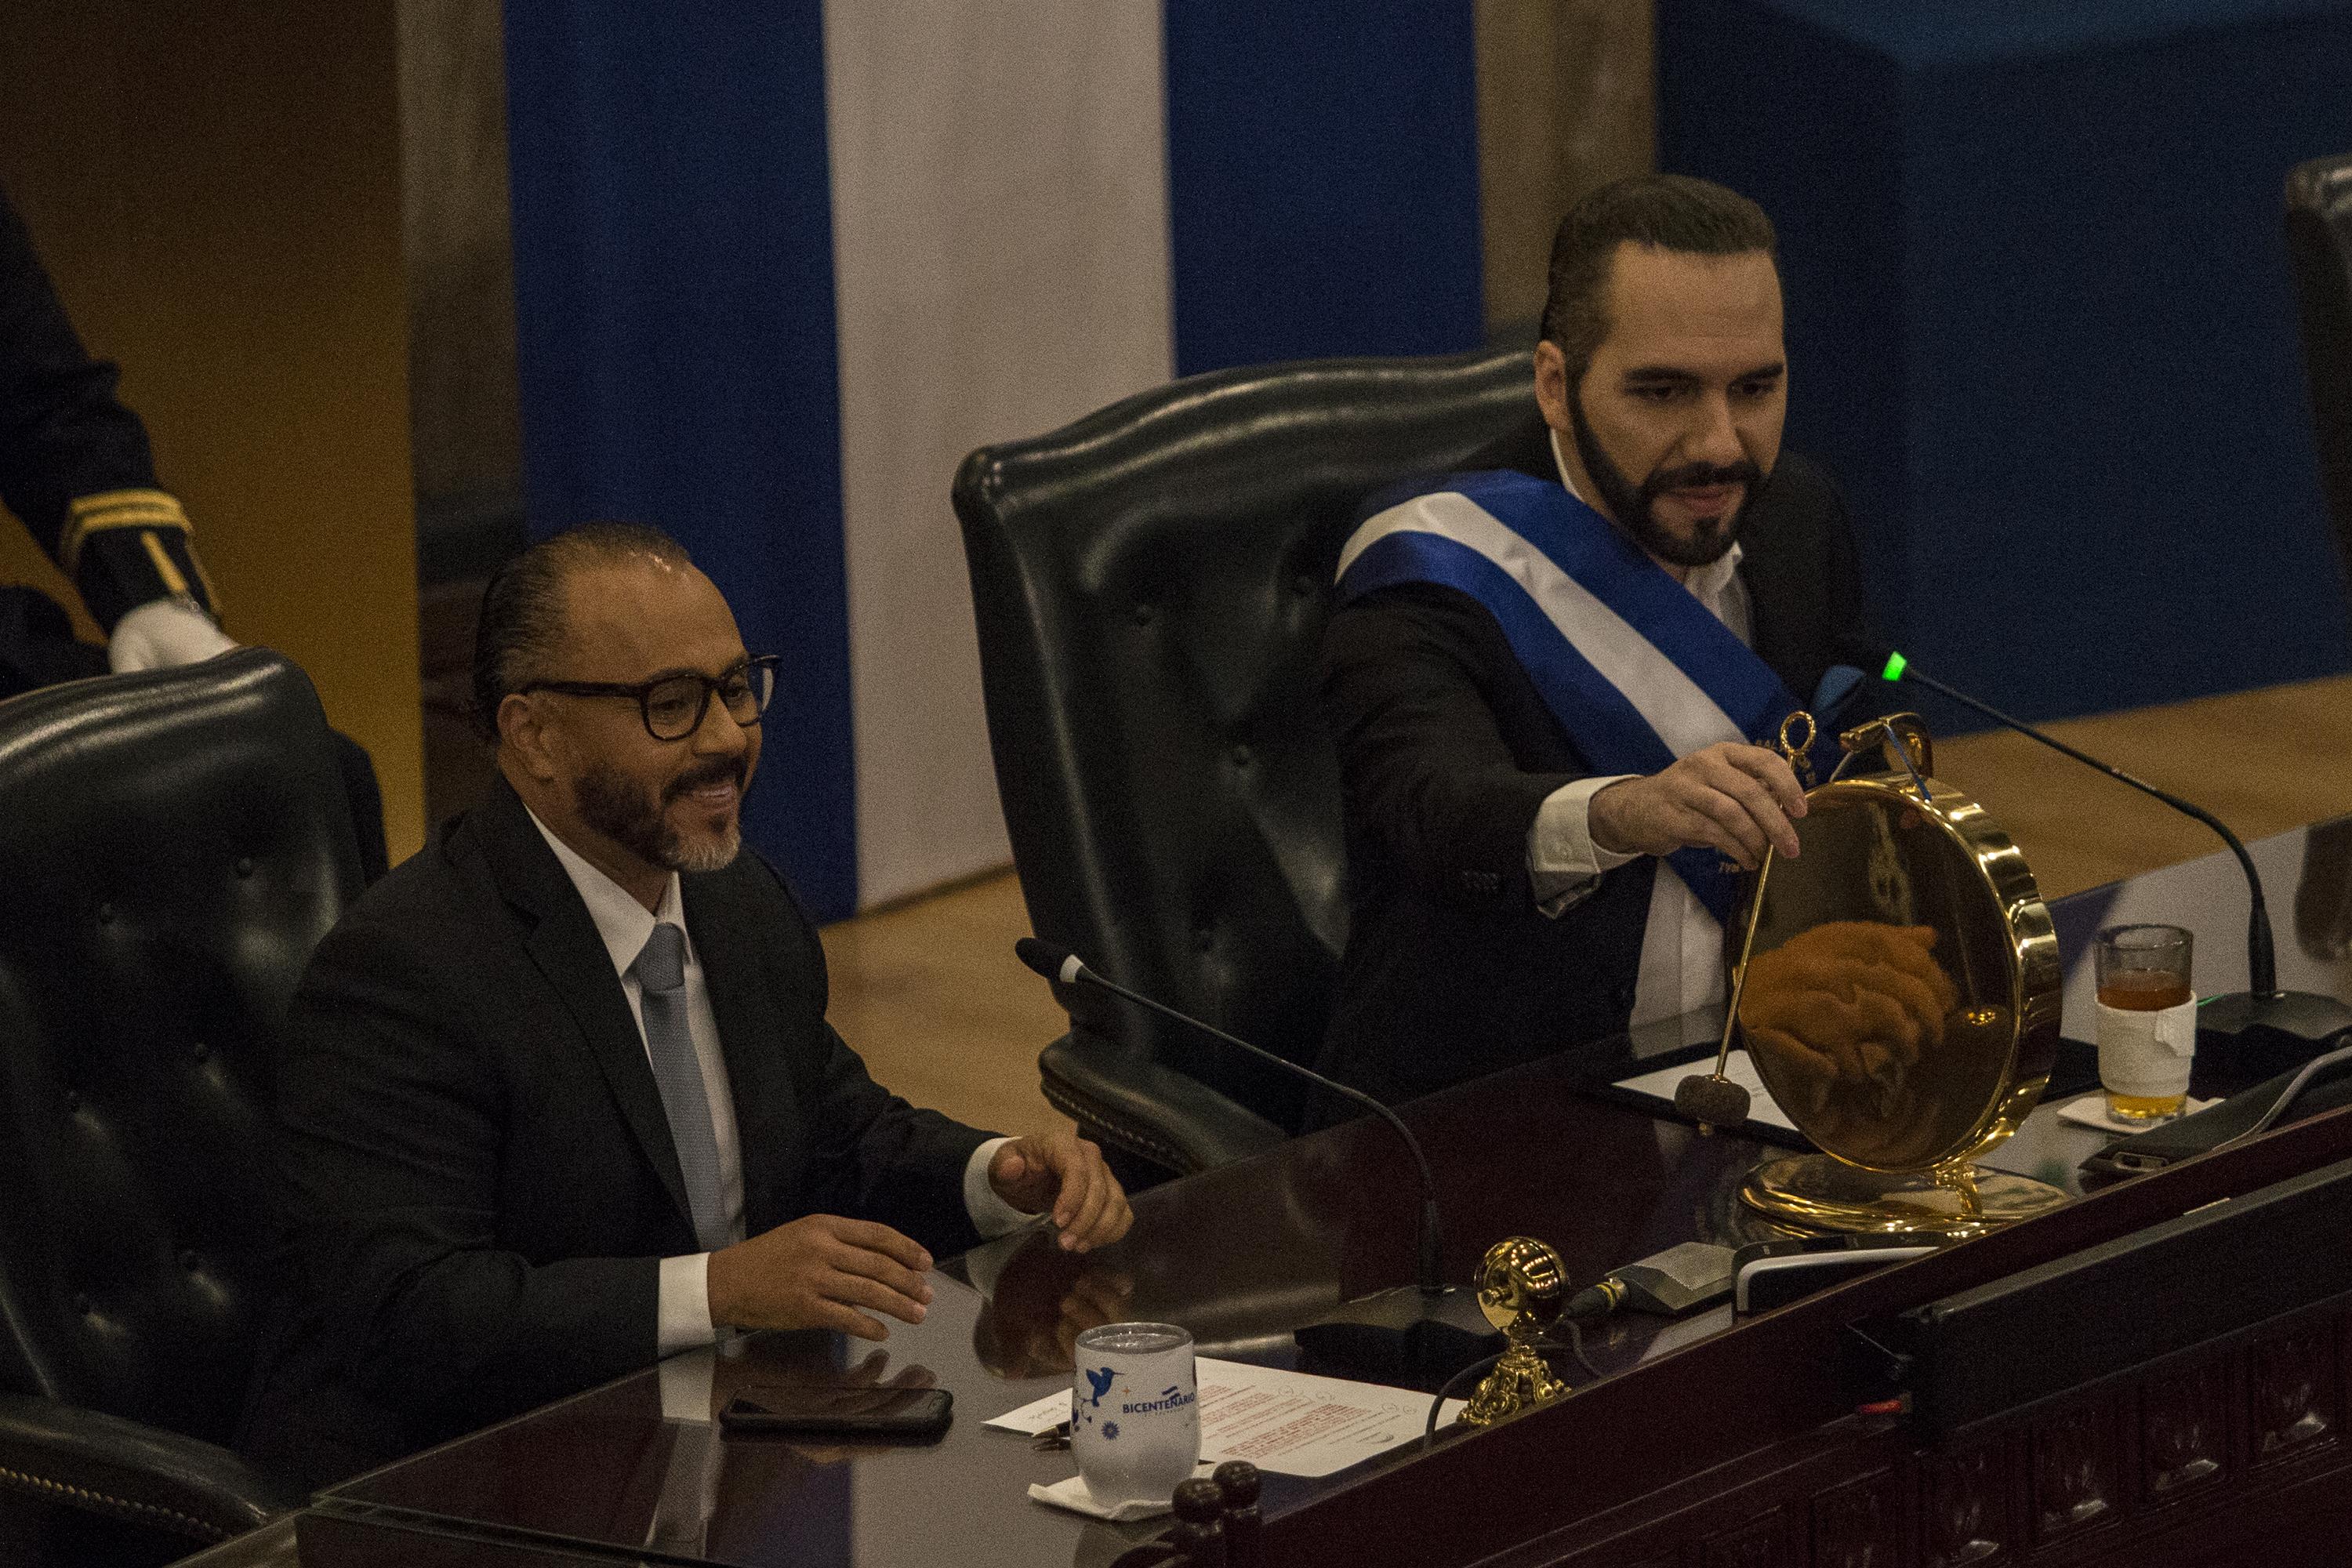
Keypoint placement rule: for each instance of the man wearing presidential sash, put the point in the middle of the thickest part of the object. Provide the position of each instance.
(1551, 678)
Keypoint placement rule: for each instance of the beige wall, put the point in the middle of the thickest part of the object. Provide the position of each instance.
(216, 186)
(1566, 104)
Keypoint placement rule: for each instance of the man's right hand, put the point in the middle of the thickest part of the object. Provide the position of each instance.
(822, 1272)
(1732, 797)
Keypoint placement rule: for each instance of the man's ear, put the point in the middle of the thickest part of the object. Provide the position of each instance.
(1552, 386)
(524, 730)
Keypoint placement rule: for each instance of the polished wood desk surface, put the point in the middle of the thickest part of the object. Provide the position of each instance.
(355, 1538)
(1243, 1255)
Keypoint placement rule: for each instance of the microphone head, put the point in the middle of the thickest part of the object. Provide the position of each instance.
(1042, 956)
(1717, 1101)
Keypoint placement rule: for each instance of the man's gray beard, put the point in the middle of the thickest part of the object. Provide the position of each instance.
(614, 808)
(713, 855)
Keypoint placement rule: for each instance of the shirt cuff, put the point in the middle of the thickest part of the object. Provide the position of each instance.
(990, 1215)
(684, 1315)
(1563, 863)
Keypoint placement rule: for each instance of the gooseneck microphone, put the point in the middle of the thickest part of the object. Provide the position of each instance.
(2262, 1007)
(1431, 1335)
(1060, 963)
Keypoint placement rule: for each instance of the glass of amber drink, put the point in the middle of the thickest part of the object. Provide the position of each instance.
(2148, 1021)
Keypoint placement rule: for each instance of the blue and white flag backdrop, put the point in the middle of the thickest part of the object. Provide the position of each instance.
(780, 264)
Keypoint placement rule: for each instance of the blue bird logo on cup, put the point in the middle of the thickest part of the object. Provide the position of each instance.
(1100, 1382)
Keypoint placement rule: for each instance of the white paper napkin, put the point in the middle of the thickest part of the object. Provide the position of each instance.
(1073, 1495)
(2091, 1111)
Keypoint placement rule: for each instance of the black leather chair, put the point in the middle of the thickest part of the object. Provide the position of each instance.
(175, 845)
(2319, 244)
(1151, 585)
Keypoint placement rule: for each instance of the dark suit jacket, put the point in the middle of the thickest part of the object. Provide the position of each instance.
(1447, 751)
(478, 1179)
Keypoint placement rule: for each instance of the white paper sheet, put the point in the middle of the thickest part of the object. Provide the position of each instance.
(1737, 1069)
(1039, 1415)
(1291, 1423)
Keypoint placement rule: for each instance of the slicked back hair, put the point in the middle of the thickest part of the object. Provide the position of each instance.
(1669, 212)
(521, 628)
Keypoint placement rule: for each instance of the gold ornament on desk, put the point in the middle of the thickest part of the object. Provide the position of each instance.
(1897, 989)
(1522, 1286)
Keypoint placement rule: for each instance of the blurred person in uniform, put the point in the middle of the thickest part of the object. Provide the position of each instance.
(76, 468)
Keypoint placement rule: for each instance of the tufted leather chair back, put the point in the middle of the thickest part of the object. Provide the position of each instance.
(173, 845)
(1151, 585)
(2319, 243)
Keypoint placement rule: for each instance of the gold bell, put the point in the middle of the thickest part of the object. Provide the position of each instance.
(1522, 1286)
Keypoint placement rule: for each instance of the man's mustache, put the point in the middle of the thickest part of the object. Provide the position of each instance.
(1698, 476)
(718, 770)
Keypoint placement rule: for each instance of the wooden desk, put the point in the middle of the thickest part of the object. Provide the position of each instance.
(1700, 1441)
(353, 1538)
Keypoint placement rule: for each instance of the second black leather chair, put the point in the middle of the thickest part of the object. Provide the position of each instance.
(1151, 585)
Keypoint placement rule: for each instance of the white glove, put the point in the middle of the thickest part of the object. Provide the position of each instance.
(162, 633)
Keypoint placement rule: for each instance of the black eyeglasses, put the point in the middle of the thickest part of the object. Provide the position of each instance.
(674, 706)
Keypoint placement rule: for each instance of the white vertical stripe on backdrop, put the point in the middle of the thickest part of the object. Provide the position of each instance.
(1000, 217)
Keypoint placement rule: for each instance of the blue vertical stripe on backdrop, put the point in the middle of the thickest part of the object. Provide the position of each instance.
(674, 304)
(1322, 180)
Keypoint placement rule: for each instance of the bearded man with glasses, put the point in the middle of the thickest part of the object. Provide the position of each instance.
(558, 1096)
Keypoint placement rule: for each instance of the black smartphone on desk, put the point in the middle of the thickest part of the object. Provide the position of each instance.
(838, 1410)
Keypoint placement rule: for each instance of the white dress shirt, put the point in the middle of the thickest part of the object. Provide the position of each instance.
(1682, 944)
(626, 924)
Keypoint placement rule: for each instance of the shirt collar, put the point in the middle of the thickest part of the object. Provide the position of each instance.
(620, 919)
(1707, 582)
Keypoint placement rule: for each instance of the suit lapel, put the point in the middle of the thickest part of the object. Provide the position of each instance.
(757, 1076)
(570, 954)
(1762, 571)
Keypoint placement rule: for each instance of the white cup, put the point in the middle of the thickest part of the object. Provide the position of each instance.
(1135, 1412)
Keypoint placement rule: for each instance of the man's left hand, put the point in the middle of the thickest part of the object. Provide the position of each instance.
(1066, 1173)
(162, 633)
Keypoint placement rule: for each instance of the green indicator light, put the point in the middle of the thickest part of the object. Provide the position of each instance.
(1896, 665)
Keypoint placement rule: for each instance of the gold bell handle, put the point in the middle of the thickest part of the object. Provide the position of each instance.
(1799, 753)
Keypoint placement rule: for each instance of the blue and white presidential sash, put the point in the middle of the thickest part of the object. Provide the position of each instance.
(1637, 671)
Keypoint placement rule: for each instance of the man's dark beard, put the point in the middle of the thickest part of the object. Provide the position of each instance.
(623, 812)
(1630, 505)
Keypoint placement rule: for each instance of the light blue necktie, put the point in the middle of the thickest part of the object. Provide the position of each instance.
(660, 969)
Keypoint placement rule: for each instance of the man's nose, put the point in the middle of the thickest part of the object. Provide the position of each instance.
(720, 732)
(1714, 438)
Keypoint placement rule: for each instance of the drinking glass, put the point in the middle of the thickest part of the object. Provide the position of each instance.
(2147, 1020)
(1135, 1412)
